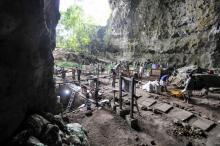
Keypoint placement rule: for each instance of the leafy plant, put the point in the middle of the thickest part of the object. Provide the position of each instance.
(75, 30)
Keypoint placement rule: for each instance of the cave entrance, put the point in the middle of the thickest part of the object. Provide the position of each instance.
(81, 32)
(80, 41)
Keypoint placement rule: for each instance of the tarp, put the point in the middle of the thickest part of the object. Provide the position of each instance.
(152, 86)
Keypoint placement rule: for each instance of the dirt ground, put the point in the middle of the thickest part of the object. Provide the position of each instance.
(105, 128)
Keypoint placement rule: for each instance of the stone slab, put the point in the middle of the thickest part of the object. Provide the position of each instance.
(163, 107)
(180, 114)
(203, 124)
(148, 102)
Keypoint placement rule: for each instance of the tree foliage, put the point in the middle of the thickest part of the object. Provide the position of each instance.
(75, 30)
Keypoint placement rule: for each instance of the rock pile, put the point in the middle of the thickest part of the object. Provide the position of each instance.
(46, 129)
(184, 129)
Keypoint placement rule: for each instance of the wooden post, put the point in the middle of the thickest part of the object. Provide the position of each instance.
(114, 97)
(132, 98)
(96, 83)
(97, 80)
(120, 92)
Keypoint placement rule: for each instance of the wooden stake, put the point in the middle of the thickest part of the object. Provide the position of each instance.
(120, 92)
(132, 97)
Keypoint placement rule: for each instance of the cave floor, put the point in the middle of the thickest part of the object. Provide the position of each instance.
(107, 129)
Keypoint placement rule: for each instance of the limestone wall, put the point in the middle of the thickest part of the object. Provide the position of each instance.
(180, 31)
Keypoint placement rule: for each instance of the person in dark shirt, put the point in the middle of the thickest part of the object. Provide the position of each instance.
(63, 73)
(96, 97)
(87, 102)
(113, 74)
(164, 82)
(78, 73)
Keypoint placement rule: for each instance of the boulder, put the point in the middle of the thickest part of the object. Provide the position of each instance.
(33, 141)
(76, 130)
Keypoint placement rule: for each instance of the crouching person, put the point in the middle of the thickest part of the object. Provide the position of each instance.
(164, 82)
(187, 91)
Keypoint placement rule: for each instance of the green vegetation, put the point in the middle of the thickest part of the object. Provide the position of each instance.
(68, 64)
(75, 30)
(65, 64)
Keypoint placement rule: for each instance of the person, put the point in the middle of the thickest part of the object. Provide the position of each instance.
(135, 76)
(174, 73)
(87, 102)
(187, 91)
(63, 73)
(96, 96)
(102, 68)
(146, 64)
(141, 71)
(114, 74)
(78, 73)
(127, 68)
(110, 67)
(84, 90)
(164, 82)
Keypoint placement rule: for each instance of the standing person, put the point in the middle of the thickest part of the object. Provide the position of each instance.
(137, 65)
(187, 91)
(141, 71)
(174, 70)
(164, 82)
(114, 74)
(78, 73)
(145, 65)
(73, 73)
(96, 97)
(63, 73)
(87, 102)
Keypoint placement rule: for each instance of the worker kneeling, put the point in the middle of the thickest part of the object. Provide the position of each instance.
(164, 82)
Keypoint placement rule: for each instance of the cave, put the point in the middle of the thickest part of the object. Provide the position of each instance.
(178, 33)
(27, 41)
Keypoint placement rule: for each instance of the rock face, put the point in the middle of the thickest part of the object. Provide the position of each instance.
(177, 31)
(27, 38)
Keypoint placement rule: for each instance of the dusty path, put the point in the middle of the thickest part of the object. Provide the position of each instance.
(107, 129)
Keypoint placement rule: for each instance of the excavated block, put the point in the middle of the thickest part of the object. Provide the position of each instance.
(203, 124)
(163, 107)
(180, 114)
(147, 102)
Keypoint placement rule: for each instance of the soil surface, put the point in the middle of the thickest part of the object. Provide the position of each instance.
(105, 128)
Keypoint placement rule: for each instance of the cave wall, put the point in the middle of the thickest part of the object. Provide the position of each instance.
(27, 38)
(174, 31)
